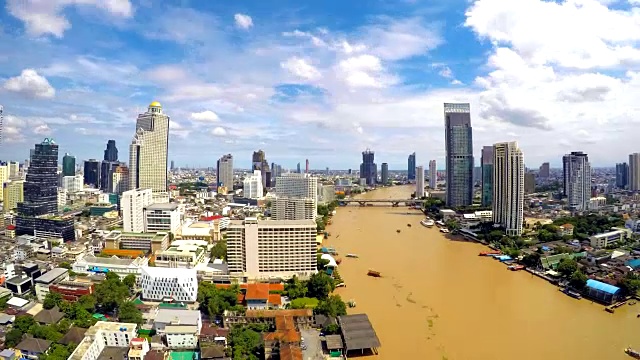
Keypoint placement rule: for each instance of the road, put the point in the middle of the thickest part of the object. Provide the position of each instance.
(314, 345)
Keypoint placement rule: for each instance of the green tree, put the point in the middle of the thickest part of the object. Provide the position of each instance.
(320, 225)
(320, 285)
(219, 250)
(88, 302)
(23, 323)
(111, 292)
(630, 283)
(294, 288)
(58, 352)
(130, 281)
(52, 300)
(63, 326)
(567, 266)
(495, 235)
(214, 301)
(531, 260)
(3, 302)
(331, 329)
(129, 313)
(332, 306)
(13, 338)
(578, 280)
(246, 343)
(323, 210)
(65, 265)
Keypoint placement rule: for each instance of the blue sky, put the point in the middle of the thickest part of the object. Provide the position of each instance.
(321, 80)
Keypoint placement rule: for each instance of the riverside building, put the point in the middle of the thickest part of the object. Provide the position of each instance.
(296, 197)
(508, 187)
(459, 158)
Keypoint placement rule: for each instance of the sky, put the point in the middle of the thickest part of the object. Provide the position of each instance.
(322, 80)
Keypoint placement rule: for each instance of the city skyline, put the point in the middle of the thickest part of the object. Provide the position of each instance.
(288, 86)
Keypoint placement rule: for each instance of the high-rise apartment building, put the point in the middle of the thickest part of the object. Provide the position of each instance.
(149, 150)
(120, 180)
(459, 157)
(73, 184)
(622, 175)
(433, 174)
(272, 249)
(252, 186)
(259, 161)
(14, 170)
(225, 171)
(68, 165)
(529, 183)
(12, 194)
(411, 167)
(298, 168)
(577, 180)
(634, 172)
(92, 173)
(4, 174)
(508, 187)
(384, 174)
(544, 171)
(296, 197)
(419, 181)
(368, 168)
(111, 152)
(306, 166)
(486, 160)
(132, 205)
(173, 165)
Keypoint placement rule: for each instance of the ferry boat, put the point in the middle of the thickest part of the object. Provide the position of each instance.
(440, 223)
(374, 273)
(573, 294)
(427, 223)
(444, 230)
(515, 267)
(633, 353)
(352, 255)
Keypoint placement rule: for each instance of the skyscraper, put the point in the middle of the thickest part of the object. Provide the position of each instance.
(411, 167)
(92, 173)
(433, 174)
(529, 183)
(107, 169)
(148, 150)
(486, 160)
(384, 173)
(306, 167)
(260, 162)
(577, 180)
(419, 182)
(111, 152)
(68, 165)
(622, 175)
(634, 172)
(544, 170)
(224, 173)
(459, 157)
(132, 204)
(296, 197)
(298, 168)
(368, 168)
(173, 165)
(508, 187)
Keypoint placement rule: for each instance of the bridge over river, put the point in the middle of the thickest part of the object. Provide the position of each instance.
(383, 202)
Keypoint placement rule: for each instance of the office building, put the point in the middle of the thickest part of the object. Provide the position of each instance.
(419, 182)
(132, 205)
(14, 170)
(12, 194)
(296, 197)
(92, 173)
(544, 171)
(104, 339)
(529, 183)
(368, 168)
(634, 172)
(298, 168)
(73, 184)
(486, 160)
(411, 167)
(577, 180)
(622, 175)
(508, 187)
(433, 174)
(173, 165)
(161, 284)
(284, 208)
(259, 249)
(147, 242)
(259, 162)
(306, 167)
(224, 174)
(384, 174)
(107, 169)
(4, 174)
(120, 180)
(459, 154)
(252, 186)
(111, 152)
(68, 165)
(161, 218)
(148, 151)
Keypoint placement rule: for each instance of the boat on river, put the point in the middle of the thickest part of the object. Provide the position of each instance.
(490, 253)
(573, 294)
(398, 231)
(427, 223)
(633, 353)
(515, 267)
(408, 225)
(353, 255)
(374, 273)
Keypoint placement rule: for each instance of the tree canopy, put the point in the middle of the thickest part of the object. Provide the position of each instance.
(130, 281)
(320, 285)
(246, 342)
(52, 300)
(111, 292)
(294, 288)
(219, 250)
(332, 306)
(567, 267)
(591, 224)
(129, 313)
(630, 283)
(214, 301)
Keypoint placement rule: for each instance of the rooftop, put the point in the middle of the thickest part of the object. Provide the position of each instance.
(33, 345)
(274, 223)
(158, 272)
(162, 206)
(51, 275)
(609, 289)
(114, 260)
(357, 332)
(179, 316)
(257, 292)
(181, 329)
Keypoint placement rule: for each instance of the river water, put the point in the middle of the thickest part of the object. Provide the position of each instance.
(438, 299)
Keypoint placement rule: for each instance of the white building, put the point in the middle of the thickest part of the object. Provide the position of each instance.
(73, 184)
(296, 197)
(148, 150)
(120, 180)
(4, 176)
(101, 335)
(161, 217)
(433, 174)
(419, 182)
(183, 254)
(14, 170)
(285, 208)
(164, 318)
(597, 202)
(62, 197)
(508, 187)
(297, 186)
(123, 267)
(326, 193)
(605, 239)
(252, 186)
(181, 337)
(159, 284)
(577, 180)
(225, 172)
(272, 248)
(132, 205)
(49, 278)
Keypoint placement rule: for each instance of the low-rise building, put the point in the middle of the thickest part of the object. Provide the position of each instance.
(605, 239)
(208, 231)
(49, 278)
(138, 349)
(565, 230)
(159, 284)
(176, 317)
(181, 337)
(72, 290)
(183, 254)
(447, 214)
(147, 242)
(104, 335)
(123, 267)
(302, 318)
(161, 217)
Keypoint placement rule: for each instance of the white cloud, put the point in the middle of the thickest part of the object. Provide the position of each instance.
(219, 131)
(43, 129)
(397, 39)
(31, 84)
(206, 115)
(364, 71)
(243, 21)
(46, 17)
(301, 68)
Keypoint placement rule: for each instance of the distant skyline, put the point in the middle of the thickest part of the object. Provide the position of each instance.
(322, 80)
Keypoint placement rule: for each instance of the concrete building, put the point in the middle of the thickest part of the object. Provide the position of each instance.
(529, 183)
(104, 335)
(609, 238)
(384, 174)
(132, 204)
(14, 169)
(160, 284)
(122, 267)
(68, 165)
(162, 217)
(120, 181)
(271, 249)
(49, 278)
(634, 172)
(284, 208)
(486, 161)
(622, 175)
(4, 176)
(252, 186)
(91, 173)
(181, 337)
(326, 193)
(577, 180)
(183, 254)
(12, 194)
(147, 242)
(508, 187)
(411, 167)
(544, 171)
(296, 197)
(259, 162)
(73, 184)
(164, 318)
(148, 150)
(433, 174)
(225, 171)
(368, 168)
(419, 182)
(459, 154)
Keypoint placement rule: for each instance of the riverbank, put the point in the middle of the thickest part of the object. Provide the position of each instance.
(438, 299)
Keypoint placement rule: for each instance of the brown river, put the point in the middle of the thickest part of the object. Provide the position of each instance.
(438, 299)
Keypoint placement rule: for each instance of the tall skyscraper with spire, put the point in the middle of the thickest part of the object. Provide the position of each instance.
(459, 158)
(148, 152)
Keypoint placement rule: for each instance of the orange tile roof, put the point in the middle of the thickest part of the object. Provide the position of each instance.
(240, 298)
(290, 352)
(568, 226)
(257, 292)
(275, 299)
(285, 336)
(284, 323)
(274, 313)
(276, 287)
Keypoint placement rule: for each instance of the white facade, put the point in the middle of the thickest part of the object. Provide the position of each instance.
(326, 193)
(433, 174)
(634, 172)
(508, 187)
(165, 318)
(183, 254)
(120, 180)
(73, 184)
(297, 186)
(14, 169)
(123, 267)
(62, 197)
(4, 176)
(148, 151)
(132, 205)
(577, 180)
(225, 172)
(284, 208)
(597, 202)
(101, 335)
(297, 197)
(605, 239)
(158, 284)
(181, 337)
(419, 182)
(272, 249)
(252, 186)
(161, 217)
